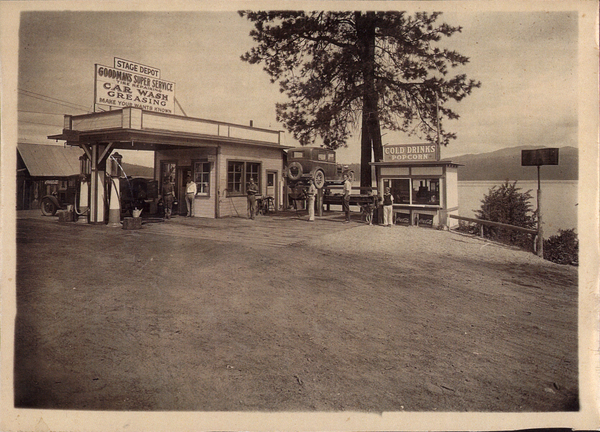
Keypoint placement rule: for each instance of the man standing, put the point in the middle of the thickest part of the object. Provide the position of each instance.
(168, 196)
(346, 198)
(251, 191)
(190, 195)
(312, 190)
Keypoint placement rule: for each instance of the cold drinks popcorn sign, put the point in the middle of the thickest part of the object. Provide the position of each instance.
(410, 153)
(130, 84)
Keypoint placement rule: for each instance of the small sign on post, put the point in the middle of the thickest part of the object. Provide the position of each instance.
(539, 157)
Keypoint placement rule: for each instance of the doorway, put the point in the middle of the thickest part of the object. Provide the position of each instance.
(272, 187)
(182, 174)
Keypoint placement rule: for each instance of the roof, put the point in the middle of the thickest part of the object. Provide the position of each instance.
(45, 160)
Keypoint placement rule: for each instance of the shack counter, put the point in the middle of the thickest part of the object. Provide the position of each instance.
(221, 157)
(425, 191)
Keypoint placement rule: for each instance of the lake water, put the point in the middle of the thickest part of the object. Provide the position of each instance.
(559, 201)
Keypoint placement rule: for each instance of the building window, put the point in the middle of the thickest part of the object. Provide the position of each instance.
(252, 171)
(239, 175)
(417, 191)
(202, 177)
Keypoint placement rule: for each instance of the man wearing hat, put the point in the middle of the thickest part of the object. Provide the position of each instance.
(190, 195)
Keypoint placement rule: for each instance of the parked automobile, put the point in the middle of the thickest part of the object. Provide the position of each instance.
(304, 163)
(50, 204)
(137, 193)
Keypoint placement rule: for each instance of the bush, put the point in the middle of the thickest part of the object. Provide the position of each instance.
(562, 248)
(507, 204)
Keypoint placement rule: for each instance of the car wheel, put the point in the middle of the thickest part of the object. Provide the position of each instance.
(319, 178)
(294, 171)
(48, 207)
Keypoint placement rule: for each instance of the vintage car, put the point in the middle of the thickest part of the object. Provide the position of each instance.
(304, 163)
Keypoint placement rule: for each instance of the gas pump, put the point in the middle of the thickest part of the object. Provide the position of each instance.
(84, 189)
(114, 211)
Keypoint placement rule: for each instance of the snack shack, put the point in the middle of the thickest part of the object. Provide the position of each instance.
(425, 188)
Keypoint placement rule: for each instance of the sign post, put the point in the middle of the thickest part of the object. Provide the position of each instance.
(547, 156)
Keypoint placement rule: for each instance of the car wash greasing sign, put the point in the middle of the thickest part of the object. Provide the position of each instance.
(130, 84)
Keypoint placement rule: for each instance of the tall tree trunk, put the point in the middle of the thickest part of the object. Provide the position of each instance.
(371, 131)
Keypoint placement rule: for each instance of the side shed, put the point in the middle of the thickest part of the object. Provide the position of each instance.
(44, 169)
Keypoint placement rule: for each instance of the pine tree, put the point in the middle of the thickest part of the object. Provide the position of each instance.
(379, 69)
(507, 204)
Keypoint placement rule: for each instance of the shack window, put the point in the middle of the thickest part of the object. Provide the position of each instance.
(202, 177)
(415, 191)
(426, 191)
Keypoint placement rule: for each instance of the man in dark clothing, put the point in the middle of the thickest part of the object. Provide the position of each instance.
(251, 191)
(168, 196)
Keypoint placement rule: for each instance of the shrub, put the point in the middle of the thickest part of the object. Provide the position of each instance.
(507, 204)
(562, 248)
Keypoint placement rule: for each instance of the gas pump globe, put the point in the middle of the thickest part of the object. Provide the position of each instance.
(116, 159)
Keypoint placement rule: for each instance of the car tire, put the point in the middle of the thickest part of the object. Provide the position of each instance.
(48, 207)
(319, 178)
(294, 171)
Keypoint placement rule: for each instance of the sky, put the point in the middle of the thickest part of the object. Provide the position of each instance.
(527, 63)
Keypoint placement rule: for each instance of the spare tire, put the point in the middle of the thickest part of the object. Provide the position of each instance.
(294, 171)
(48, 207)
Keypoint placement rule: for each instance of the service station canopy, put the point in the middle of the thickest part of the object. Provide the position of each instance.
(135, 129)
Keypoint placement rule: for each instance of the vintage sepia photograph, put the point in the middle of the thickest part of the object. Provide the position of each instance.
(281, 216)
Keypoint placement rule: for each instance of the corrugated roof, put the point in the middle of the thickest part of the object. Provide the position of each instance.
(44, 160)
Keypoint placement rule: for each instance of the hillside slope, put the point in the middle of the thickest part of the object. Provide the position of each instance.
(506, 164)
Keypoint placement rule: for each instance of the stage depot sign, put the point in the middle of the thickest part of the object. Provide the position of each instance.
(410, 153)
(132, 87)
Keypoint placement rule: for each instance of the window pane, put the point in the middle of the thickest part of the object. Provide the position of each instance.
(234, 177)
(202, 177)
(253, 171)
(400, 190)
(426, 191)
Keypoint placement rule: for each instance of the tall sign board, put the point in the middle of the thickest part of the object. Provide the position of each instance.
(537, 157)
(130, 84)
(411, 152)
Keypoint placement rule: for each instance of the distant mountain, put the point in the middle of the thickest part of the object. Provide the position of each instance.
(505, 164)
(133, 170)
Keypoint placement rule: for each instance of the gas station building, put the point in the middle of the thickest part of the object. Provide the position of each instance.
(221, 157)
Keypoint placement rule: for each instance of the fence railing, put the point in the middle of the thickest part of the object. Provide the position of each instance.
(483, 223)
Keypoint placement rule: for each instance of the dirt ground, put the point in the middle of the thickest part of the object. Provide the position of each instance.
(278, 314)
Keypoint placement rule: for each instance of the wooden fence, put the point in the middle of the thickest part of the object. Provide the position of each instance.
(482, 222)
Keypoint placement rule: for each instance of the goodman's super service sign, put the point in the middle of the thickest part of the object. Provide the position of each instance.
(131, 86)
(410, 153)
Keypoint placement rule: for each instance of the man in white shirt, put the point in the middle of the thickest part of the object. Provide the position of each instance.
(190, 195)
(346, 198)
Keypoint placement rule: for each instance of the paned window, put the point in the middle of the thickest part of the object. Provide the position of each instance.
(416, 191)
(202, 177)
(239, 175)
(235, 171)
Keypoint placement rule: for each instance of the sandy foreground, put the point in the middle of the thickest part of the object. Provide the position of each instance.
(279, 314)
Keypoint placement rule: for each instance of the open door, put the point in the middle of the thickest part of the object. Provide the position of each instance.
(183, 172)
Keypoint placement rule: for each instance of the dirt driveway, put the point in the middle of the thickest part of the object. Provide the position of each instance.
(279, 314)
